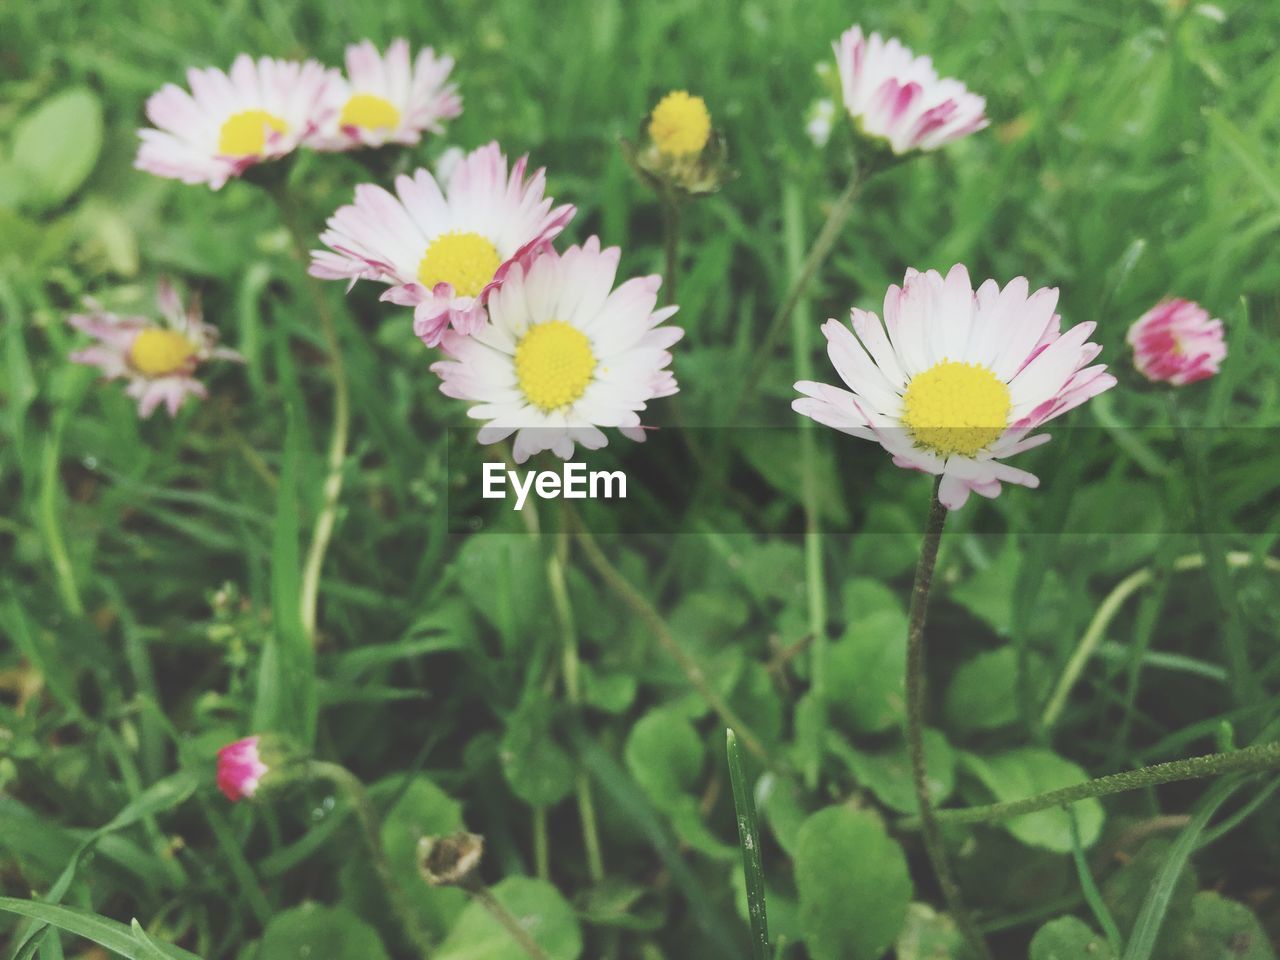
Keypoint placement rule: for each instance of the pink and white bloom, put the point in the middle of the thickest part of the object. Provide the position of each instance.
(259, 111)
(443, 251)
(159, 359)
(954, 382)
(385, 98)
(563, 354)
(240, 769)
(892, 94)
(1177, 342)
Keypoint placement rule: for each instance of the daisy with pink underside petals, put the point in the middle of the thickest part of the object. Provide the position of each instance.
(892, 94)
(158, 359)
(1177, 342)
(228, 122)
(384, 98)
(563, 354)
(954, 382)
(443, 251)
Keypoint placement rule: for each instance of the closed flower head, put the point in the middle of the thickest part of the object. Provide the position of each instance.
(680, 124)
(897, 98)
(1177, 342)
(241, 769)
(954, 381)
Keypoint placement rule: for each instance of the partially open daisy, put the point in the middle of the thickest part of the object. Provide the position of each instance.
(893, 95)
(259, 111)
(954, 381)
(1177, 342)
(443, 252)
(241, 769)
(158, 359)
(384, 98)
(562, 356)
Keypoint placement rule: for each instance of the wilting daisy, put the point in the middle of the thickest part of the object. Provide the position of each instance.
(1177, 342)
(563, 354)
(953, 382)
(443, 252)
(241, 769)
(259, 111)
(892, 94)
(159, 359)
(384, 98)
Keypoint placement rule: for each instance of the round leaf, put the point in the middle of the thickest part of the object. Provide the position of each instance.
(1068, 938)
(56, 146)
(853, 885)
(312, 930)
(535, 905)
(1017, 774)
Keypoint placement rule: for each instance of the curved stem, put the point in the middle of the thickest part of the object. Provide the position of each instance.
(322, 532)
(485, 897)
(689, 666)
(929, 830)
(1265, 756)
(358, 797)
(1106, 612)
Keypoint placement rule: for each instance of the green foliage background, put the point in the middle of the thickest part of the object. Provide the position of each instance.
(1133, 154)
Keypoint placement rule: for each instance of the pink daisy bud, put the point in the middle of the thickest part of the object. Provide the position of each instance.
(240, 769)
(1177, 342)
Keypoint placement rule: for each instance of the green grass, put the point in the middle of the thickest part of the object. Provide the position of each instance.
(1133, 154)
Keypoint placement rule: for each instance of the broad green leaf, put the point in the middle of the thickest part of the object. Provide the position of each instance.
(610, 692)
(780, 804)
(665, 755)
(853, 884)
(1223, 929)
(56, 146)
(988, 593)
(1025, 772)
(535, 905)
(312, 931)
(888, 542)
(103, 931)
(1126, 892)
(983, 693)
(887, 773)
(1068, 938)
(504, 579)
(539, 771)
(865, 671)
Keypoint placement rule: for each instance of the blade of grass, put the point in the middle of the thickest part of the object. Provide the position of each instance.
(749, 840)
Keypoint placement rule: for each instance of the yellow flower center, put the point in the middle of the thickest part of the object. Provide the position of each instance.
(680, 124)
(465, 261)
(554, 364)
(244, 134)
(371, 112)
(158, 353)
(956, 408)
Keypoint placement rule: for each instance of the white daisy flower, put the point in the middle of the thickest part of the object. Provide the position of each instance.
(261, 110)
(383, 98)
(443, 251)
(892, 94)
(563, 354)
(159, 359)
(954, 381)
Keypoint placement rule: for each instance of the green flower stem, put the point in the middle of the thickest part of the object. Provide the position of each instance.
(694, 673)
(358, 797)
(670, 202)
(928, 821)
(813, 261)
(322, 532)
(1096, 631)
(1260, 757)
(50, 513)
(1244, 683)
(482, 895)
(557, 557)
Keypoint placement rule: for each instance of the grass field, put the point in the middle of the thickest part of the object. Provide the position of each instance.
(564, 694)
